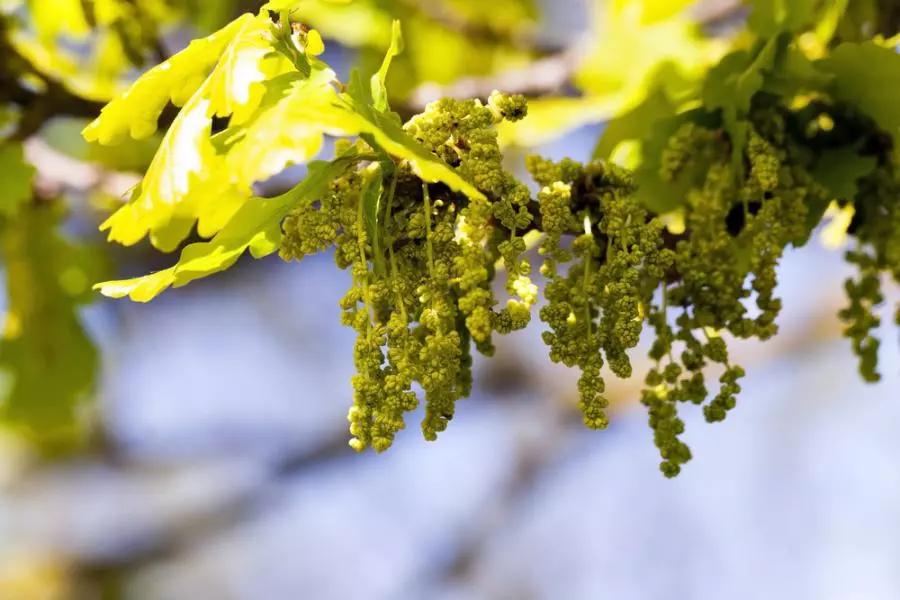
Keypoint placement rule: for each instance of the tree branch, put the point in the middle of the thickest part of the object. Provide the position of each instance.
(519, 38)
(554, 73)
(548, 75)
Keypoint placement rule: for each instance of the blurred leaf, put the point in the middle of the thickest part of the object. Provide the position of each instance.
(296, 5)
(839, 171)
(361, 23)
(550, 118)
(627, 49)
(654, 48)
(767, 17)
(636, 124)
(868, 76)
(795, 73)
(16, 177)
(58, 17)
(660, 10)
(64, 135)
(47, 362)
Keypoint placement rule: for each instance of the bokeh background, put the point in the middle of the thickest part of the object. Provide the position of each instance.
(219, 469)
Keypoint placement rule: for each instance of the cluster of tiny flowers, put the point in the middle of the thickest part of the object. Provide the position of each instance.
(422, 297)
(423, 266)
(875, 239)
(620, 271)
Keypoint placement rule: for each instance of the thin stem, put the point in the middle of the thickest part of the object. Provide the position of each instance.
(364, 280)
(428, 247)
(390, 242)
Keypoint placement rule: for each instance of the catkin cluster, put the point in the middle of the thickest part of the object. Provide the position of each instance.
(421, 299)
(423, 266)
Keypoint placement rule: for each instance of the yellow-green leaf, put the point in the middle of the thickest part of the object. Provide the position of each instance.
(47, 362)
(255, 227)
(163, 204)
(288, 129)
(660, 10)
(296, 4)
(236, 86)
(59, 17)
(379, 91)
(136, 112)
(15, 178)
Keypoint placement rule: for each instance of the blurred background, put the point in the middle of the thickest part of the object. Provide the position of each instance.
(215, 462)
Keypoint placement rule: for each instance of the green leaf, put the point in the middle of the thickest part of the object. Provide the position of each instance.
(768, 16)
(256, 227)
(636, 124)
(136, 112)
(48, 363)
(63, 135)
(293, 5)
(839, 171)
(188, 181)
(550, 118)
(60, 17)
(653, 192)
(371, 209)
(794, 74)
(868, 76)
(731, 85)
(379, 91)
(16, 177)
(389, 135)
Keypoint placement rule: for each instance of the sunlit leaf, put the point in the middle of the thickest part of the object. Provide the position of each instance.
(255, 227)
(162, 205)
(379, 90)
(136, 112)
(660, 10)
(188, 182)
(288, 129)
(59, 17)
(236, 83)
